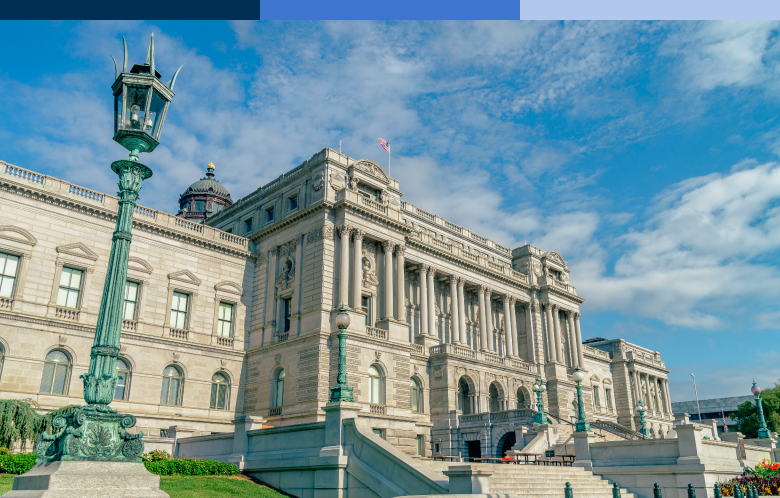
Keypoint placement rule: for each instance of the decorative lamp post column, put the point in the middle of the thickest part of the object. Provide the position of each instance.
(641, 408)
(540, 418)
(96, 432)
(763, 431)
(342, 391)
(582, 423)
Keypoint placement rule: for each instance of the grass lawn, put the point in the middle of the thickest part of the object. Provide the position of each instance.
(195, 487)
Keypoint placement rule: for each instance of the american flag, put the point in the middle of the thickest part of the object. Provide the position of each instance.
(385, 144)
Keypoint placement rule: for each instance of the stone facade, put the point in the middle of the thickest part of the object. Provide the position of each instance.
(447, 325)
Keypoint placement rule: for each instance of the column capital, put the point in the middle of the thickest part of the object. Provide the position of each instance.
(488, 292)
(358, 233)
(400, 249)
(512, 300)
(555, 308)
(424, 268)
(461, 282)
(576, 315)
(453, 280)
(431, 270)
(388, 246)
(483, 289)
(345, 230)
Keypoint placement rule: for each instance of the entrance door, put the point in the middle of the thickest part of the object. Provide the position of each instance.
(505, 443)
(473, 449)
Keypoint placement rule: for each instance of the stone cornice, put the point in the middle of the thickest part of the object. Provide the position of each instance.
(96, 211)
(267, 232)
(558, 292)
(372, 215)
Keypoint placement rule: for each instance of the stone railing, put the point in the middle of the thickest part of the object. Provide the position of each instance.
(6, 303)
(376, 206)
(130, 325)
(225, 341)
(179, 333)
(378, 409)
(475, 417)
(375, 332)
(282, 337)
(67, 314)
(487, 357)
(419, 349)
(595, 352)
(275, 411)
(144, 215)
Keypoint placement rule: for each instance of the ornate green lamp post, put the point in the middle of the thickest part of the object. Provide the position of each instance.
(763, 431)
(582, 423)
(342, 391)
(96, 432)
(540, 418)
(641, 408)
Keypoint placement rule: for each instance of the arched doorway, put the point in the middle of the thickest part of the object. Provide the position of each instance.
(505, 443)
(495, 401)
(522, 401)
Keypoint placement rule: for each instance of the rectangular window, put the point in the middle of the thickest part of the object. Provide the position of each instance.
(70, 287)
(131, 300)
(217, 207)
(419, 444)
(248, 225)
(293, 203)
(365, 306)
(8, 266)
(379, 432)
(596, 400)
(225, 320)
(608, 395)
(287, 309)
(200, 206)
(179, 310)
(269, 214)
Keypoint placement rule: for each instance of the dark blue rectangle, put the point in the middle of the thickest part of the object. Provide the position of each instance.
(166, 10)
(389, 10)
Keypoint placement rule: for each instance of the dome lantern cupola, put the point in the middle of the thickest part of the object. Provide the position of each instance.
(204, 198)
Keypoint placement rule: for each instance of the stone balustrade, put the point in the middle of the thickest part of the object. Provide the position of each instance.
(376, 332)
(485, 356)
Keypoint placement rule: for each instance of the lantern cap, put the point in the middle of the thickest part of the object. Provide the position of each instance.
(579, 375)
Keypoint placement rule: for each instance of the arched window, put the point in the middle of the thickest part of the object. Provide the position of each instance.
(219, 390)
(521, 401)
(122, 379)
(464, 404)
(416, 396)
(375, 394)
(171, 386)
(55, 373)
(495, 404)
(279, 398)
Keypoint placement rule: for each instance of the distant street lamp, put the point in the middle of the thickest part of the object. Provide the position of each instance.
(342, 391)
(540, 418)
(582, 424)
(96, 432)
(641, 408)
(763, 431)
(696, 392)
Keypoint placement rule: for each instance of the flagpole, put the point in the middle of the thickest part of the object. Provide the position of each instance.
(388, 158)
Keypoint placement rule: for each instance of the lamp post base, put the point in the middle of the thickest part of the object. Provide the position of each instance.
(87, 479)
(94, 433)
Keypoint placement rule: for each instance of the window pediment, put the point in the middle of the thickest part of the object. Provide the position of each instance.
(78, 249)
(185, 276)
(229, 287)
(138, 264)
(17, 234)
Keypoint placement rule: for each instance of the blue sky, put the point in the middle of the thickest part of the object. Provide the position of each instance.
(645, 153)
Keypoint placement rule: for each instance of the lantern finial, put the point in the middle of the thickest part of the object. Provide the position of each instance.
(124, 64)
(151, 55)
(116, 69)
(173, 80)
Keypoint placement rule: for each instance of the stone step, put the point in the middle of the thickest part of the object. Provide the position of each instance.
(559, 493)
(524, 483)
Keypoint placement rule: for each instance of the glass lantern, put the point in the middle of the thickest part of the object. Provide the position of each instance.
(140, 103)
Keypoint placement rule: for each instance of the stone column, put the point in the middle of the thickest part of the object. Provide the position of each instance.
(431, 303)
(557, 333)
(509, 335)
(491, 344)
(357, 269)
(580, 347)
(482, 325)
(515, 332)
(550, 334)
(400, 298)
(388, 246)
(648, 395)
(668, 399)
(530, 309)
(454, 315)
(635, 387)
(344, 230)
(572, 337)
(462, 312)
(424, 300)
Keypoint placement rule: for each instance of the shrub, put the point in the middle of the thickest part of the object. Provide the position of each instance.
(191, 467)
(765, 486)
(19, 463)
(156, 456)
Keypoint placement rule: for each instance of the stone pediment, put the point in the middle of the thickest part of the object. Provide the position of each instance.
(555, 258)
(17, 234)
(229, 287)
(78, 249)
(138, 264)
(372, 169)
(185, 276)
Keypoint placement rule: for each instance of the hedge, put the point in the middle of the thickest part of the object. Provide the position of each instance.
(18, 463)
(191, 467)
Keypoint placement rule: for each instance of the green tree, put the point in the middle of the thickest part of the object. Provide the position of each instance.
(22, 420)
(747, 415)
